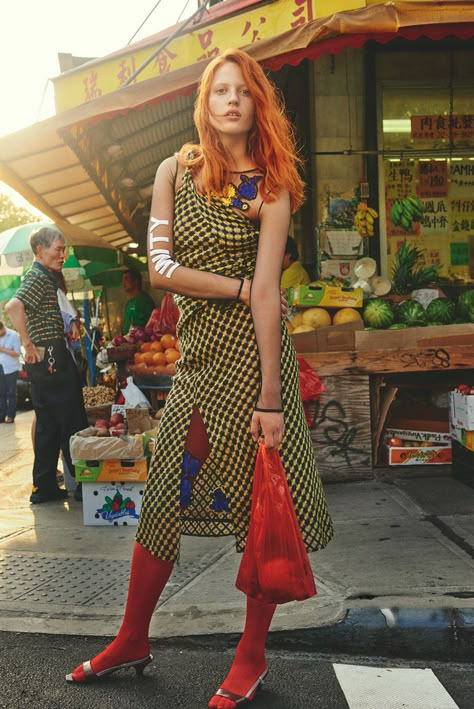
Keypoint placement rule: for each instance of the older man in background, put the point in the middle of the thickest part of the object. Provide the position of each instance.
(56, 387)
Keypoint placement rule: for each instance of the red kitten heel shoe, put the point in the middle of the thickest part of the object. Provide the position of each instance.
(85, 673)
(224, 699)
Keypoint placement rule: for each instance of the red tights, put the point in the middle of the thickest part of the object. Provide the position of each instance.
(249, 661)
(148, 577)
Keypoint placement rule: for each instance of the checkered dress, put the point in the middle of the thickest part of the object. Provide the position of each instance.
(219, 373)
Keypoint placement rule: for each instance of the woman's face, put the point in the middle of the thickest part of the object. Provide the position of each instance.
(231, 107)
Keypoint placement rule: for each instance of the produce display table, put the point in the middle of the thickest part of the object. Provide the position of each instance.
(347, 422)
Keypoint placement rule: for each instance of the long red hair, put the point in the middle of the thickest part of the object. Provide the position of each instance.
(271, 143)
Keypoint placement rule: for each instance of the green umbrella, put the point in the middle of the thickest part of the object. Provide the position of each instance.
(84, 245)
(99, 275)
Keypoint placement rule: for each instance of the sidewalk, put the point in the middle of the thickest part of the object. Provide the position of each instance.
(398, 578)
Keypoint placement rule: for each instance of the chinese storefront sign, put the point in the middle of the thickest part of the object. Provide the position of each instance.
(432, 178)
(400, 178)
(443, 127)
(201, 43)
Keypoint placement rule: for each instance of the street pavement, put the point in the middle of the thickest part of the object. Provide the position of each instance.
(397, 580)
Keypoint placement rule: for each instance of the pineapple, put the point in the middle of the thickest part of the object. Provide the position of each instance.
(408, 274)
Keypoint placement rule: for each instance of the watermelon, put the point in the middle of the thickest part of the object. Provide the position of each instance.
(397, 326)
(411, 313)
(378, 314)
(440, 310)
(465, 307)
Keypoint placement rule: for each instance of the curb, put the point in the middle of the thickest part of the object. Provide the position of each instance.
(445, 634)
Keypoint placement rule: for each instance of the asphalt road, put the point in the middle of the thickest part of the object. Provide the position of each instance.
(32, 670)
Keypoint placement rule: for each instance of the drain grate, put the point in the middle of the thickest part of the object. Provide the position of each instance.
(84, 582)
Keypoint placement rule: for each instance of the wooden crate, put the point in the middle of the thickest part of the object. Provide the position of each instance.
(340, 429)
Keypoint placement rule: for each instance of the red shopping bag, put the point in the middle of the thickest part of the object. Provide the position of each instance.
(275, 566)
(311, 386)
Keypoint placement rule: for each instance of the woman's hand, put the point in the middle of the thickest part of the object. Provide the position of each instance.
(271, 425)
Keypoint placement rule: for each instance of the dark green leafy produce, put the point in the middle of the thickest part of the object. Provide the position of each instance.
(408, 274)
(397, 326)
(378, 314)
(440, 310)
(465, 306)
(411, 313)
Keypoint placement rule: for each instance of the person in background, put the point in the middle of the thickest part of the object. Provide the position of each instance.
(52, 371)
(140, 305)
(218, 227)
(294, 273)
(9, 367)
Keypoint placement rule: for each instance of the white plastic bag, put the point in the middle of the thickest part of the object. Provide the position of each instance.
(133, 396)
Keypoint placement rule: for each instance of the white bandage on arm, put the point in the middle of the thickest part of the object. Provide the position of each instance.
(163, 262)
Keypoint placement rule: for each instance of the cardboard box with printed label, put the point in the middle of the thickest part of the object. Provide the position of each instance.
(325, 296)
(112, 504)
(461, 410)
(111, 470)
(430, 455)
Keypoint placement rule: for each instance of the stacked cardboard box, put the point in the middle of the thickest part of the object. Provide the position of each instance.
(461, 421)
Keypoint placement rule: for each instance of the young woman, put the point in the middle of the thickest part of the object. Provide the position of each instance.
(217, 234)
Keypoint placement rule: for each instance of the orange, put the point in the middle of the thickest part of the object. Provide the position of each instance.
(156, 346)
(160, 369)
(137, 358)
(159, 358)
(171, 355)
(148, 357)
(177, 346)
(168, 340)
(170, 368)
(145, 346)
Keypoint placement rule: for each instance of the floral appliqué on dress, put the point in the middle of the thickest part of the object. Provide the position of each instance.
(234, 196)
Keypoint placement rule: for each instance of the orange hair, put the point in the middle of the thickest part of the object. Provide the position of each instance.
(271, 142)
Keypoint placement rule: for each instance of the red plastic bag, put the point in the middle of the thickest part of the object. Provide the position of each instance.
(311, 386)
(275, 566)
(169, 314)
(164, 319)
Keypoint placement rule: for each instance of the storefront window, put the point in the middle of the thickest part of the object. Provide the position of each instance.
(426, 173)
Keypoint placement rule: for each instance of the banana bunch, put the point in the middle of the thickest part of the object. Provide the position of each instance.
(364, 219)
(407, 210)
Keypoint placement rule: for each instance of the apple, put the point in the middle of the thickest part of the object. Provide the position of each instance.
(117, 432)
(464, 388)
(115, 419)
(101, 423)
(395, 441)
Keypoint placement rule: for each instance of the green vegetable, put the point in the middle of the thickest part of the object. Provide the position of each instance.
(440, 310)
(408, 273)
(378, 314)
(465, 307)
(397, 326)
(411, 313)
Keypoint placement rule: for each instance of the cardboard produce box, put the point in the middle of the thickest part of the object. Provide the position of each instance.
(112, 505)
(461, 409)
(325, 296)
(111, 470)
(429, 455)
(335, 338)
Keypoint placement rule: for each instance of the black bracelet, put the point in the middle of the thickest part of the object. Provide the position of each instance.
(237, 297)
(269, 411)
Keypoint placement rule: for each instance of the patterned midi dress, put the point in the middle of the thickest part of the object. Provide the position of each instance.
(219, 374)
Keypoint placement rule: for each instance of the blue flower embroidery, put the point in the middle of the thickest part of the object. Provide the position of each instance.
(189, 469)
(220, 503)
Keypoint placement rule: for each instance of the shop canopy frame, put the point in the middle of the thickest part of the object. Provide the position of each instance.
(93, 165)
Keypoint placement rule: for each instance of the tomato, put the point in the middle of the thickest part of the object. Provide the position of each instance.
(464, 388)
(395, 441)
